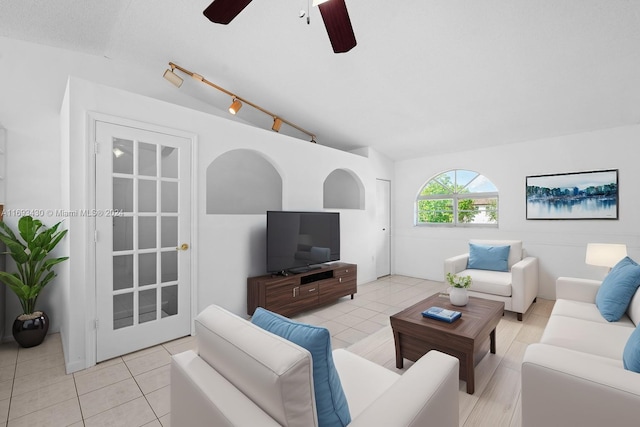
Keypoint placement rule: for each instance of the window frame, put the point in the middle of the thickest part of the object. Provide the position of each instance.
(456, 197)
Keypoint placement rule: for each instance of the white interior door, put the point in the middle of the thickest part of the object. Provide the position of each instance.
(143, 211)
(383, 215)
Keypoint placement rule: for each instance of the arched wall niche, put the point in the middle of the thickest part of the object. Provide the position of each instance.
(243, 182)
(343, 189)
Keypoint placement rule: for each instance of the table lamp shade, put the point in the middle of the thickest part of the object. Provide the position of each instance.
(605, 254)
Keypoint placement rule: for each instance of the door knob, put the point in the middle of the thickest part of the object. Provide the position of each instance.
(182, 247)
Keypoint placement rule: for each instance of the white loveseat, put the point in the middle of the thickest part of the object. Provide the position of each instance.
(243, 375)
(575, 375)
(517, 287)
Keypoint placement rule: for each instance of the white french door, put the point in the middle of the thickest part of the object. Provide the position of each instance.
(142, 217)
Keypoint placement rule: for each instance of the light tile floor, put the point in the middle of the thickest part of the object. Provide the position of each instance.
(133, 390)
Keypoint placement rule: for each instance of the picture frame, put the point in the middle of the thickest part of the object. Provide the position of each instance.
(573, 195)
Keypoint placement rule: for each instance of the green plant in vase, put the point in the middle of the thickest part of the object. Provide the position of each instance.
(30, 249)
(458, 291)
(456, 281)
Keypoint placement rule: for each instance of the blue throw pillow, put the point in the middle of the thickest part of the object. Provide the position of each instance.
(631, 354)
(617, 289)
(484, 257)
(331, 403)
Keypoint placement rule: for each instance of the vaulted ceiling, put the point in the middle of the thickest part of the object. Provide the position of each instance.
(427, 76)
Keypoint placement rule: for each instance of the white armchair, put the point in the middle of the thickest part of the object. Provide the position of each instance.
(517, 287)
(243, 375)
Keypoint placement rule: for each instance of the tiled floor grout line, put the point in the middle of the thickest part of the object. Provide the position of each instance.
(376, 302)
(75, 385)
(143, 394)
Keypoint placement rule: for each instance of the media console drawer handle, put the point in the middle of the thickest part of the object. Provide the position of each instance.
(312, 290)
(340, 279)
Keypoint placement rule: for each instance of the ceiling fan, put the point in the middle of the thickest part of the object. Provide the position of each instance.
(334, 14)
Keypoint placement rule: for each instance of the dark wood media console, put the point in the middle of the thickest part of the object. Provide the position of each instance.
(290, 295)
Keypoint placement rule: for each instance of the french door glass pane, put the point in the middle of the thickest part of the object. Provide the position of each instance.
(149, 171)
(122, 233)
(122, 272)
(169, 162)
(146, 232)
(146, 196)
(147, 269)
(147, 159)
(147, 305)
(122, 310)
(169, 196)
(122, 156)
(123, 194)
(169, 300)
(169, 266)
(169, 231)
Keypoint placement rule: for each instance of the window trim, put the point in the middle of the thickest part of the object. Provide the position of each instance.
(455, 197)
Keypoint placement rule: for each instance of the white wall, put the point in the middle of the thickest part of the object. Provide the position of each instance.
(227, 248)
(559, 245)
(33, 81)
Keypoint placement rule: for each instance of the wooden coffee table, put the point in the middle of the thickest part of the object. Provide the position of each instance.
(468, 338)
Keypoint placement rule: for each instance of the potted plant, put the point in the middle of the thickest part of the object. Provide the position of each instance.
(30, 251)
(458, 289)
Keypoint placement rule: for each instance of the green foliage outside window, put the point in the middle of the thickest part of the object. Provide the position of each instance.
(492, 210)
(438, 211)
(480, 208)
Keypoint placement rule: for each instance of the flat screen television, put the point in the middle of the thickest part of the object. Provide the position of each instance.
(301, 241)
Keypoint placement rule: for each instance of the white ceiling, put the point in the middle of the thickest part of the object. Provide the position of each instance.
(427, 76)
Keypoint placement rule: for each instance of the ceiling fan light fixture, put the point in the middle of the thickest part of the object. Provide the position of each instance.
(277, 123)
(334, 14)
(172, 77)
(235, 106)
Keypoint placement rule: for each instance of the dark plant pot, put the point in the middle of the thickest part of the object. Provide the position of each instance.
(30, 330)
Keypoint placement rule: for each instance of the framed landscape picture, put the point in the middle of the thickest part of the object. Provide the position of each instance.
(575, 195)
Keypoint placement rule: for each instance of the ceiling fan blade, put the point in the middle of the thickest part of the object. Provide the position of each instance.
(336, 21)
(223, 11)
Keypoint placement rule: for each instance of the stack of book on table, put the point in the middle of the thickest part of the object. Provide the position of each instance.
(443, 314)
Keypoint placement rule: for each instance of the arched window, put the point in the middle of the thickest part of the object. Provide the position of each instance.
(458, 198)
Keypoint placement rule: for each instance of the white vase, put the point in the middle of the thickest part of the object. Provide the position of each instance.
(458, 296)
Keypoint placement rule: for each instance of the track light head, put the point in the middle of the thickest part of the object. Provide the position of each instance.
(235, 106)
(173, 78)
(276, 124)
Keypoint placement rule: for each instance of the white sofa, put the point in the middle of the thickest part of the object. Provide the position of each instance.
(575, 375)
(517, 288)
(243, 375)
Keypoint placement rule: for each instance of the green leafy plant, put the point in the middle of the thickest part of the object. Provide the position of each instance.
(441, 210)
(459, 281)
(31, 257)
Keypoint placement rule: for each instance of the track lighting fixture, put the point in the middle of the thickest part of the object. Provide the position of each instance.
(235, 106)
(171, 76)
(276, 124)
